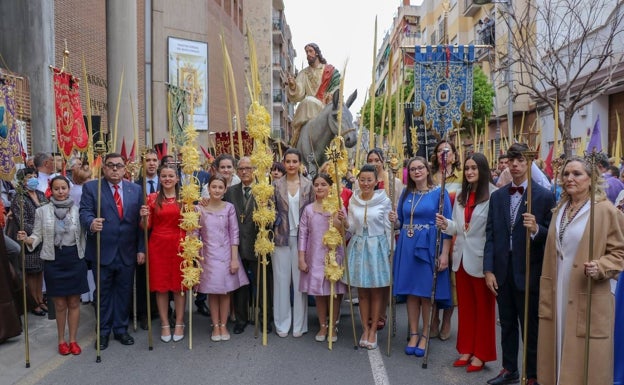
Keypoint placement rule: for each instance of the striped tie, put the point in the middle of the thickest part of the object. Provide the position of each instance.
(118, 202)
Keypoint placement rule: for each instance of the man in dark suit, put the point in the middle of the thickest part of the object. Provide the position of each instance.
(504, 259)
(152, 185)
(121, 244)
(241, 197)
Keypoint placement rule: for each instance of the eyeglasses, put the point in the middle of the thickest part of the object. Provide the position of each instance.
(419, 168)
(245, 169)
(115, 165)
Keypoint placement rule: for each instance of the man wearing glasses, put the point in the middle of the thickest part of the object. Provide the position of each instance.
(241, 197)
(121, 244)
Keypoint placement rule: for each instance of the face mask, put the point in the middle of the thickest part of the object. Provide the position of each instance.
(32, 184)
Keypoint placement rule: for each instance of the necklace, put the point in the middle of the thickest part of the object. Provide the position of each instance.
(410, 227)
(568, 216)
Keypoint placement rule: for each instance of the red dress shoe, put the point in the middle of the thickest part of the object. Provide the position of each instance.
(473, 368)
(74, 348)
(461, 363)
(63, 349)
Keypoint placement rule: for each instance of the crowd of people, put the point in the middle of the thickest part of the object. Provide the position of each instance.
(481, 239)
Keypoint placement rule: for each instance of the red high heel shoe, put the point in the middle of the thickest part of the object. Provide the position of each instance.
(63, 349)
(74, 348)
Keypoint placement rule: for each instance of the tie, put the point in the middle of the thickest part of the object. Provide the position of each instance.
(151, 184)
(246, 192)
(513, 190)
(118, 202)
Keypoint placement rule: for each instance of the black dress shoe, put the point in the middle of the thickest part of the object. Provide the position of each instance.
(125, 339)
(239, 328)
(505, 377)
(203, 309)
(103, 342)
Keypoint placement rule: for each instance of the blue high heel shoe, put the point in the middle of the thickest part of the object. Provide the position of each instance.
(418, 352)
(411, 350)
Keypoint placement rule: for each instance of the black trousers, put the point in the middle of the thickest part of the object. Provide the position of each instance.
(511, 313)
(245, 296)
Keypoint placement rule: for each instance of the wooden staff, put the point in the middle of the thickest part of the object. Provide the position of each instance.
(150, 341)
(21, 191)
(393, 165)
(257, 299)
(529, 156)
(438, 248)
(590, 257)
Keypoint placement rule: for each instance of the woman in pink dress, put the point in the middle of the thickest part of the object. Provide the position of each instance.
(162, 211)
(221, 263)
(313, 225)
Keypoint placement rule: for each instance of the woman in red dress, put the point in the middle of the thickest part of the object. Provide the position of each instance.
(163, 213)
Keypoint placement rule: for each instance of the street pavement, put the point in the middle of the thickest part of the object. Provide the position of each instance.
(242, 360)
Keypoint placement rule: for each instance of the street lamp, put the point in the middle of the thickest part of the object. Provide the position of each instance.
(509, 61)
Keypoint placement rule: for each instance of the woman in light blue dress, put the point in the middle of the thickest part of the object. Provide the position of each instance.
(368, 250)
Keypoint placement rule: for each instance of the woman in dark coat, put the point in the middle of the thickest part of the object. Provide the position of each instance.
(32, 199)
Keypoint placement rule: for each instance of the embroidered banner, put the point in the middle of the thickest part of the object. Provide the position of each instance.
(71, 132)
(443, 85)
(9, 137)
(223, 144)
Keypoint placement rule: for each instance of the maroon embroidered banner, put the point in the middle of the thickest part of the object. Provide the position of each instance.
(71, 132)
(223, 144)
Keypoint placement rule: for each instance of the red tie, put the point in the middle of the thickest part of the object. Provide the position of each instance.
(118, 201)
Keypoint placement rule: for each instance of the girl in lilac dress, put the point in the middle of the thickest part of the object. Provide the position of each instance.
(221, 263)
(313, 224)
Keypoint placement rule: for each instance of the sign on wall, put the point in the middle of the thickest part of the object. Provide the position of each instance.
(188, 69)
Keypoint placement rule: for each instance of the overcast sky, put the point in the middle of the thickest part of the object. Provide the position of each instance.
(344, 30)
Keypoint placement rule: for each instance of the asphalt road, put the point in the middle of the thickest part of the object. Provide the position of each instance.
(242, 360)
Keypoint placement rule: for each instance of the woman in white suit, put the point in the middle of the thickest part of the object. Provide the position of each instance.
(476, 338)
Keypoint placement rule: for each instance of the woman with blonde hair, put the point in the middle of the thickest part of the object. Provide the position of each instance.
(563, 283)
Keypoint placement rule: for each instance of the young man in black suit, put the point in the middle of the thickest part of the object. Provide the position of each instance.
(504, 259)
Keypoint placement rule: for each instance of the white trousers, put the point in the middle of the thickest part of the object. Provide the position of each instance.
(285, 272)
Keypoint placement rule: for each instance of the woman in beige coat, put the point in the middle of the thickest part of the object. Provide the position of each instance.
(563, 285)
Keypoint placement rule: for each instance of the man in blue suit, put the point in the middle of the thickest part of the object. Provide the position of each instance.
(121, 244)
(504, 261)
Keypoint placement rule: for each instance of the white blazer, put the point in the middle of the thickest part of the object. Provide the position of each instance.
(469, 244)
(43, 231)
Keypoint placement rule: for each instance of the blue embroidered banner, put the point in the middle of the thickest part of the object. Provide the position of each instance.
(443, 85)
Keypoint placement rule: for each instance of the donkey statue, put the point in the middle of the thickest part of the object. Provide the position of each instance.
(317, 133)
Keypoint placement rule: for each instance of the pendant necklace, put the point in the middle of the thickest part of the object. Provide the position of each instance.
(568, 216)
(410, 227)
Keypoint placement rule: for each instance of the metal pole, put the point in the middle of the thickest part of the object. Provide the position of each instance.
(393, 165)
(23, 255)
(529, 155)
(510, 102)
(590, 257)
(150, 342)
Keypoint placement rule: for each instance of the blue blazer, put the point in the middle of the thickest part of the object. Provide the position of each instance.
(119, 236)
(497, 233)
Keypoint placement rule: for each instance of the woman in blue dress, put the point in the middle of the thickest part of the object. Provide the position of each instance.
(414, 257)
